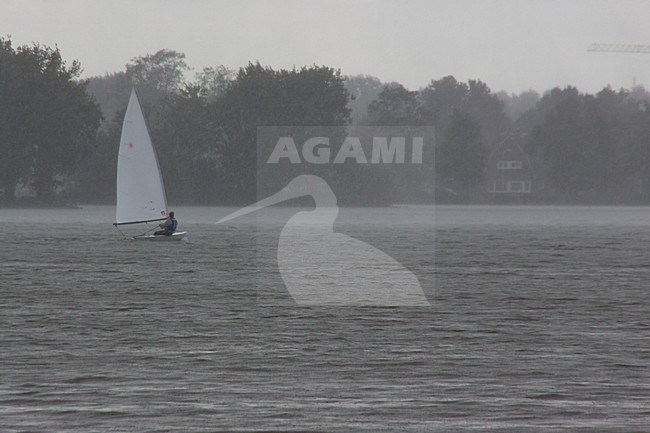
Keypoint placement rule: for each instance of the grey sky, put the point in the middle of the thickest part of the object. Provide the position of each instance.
(512, 45)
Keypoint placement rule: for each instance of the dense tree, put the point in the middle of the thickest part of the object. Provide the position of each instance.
(212, 82)
(595, 147)
(396, 106)
(111, 91)
(484, 107)
(163, 71)
(49, 121)
(515, 105)
(261, 96)
(441, 98)
(15, 119)
(363, 90)
(634, 146)
(156, 76)
(189, 143)
(462, 155)
(533, 118)
(96, 176)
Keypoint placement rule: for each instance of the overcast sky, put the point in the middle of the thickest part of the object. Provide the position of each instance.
(512, 45)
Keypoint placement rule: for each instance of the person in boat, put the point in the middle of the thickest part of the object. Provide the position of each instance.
(168, 226)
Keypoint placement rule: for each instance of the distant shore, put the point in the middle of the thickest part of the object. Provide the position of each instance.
(20, 204)
(31, 204)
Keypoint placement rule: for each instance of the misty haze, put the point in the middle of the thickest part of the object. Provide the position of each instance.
(324, 216)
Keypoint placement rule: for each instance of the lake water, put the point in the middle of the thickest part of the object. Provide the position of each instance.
(539, 322)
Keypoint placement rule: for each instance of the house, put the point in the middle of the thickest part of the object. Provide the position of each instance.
(510, 170)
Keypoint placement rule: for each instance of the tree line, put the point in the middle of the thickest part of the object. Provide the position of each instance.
(48, 121)
(59, 134)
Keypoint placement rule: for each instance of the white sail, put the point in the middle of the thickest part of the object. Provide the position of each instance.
(140, 189)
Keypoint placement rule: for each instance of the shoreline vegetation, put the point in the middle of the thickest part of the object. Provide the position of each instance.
(560, 147)
(30, 203)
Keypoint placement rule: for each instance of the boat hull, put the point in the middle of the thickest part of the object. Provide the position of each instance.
(161, 238)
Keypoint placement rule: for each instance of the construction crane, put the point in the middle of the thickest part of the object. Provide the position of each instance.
(620, 48)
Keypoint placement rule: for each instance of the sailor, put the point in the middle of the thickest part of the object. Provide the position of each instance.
(168, 226)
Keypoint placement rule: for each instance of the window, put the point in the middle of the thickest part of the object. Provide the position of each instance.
(519, 186)
(509, 165)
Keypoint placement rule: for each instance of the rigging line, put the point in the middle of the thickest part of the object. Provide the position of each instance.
(118, 229)
(155, 227)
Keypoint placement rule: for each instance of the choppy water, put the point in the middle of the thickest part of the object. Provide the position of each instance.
(540, 322)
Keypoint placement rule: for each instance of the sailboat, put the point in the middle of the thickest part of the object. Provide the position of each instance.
(140, 190)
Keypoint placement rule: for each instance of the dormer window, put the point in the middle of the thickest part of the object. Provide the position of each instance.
(509, 165)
